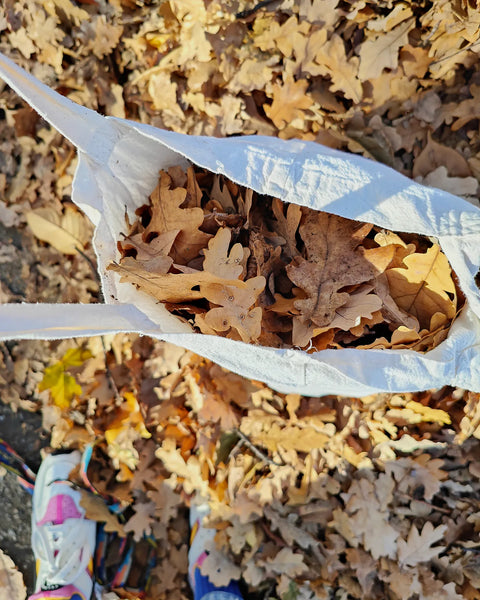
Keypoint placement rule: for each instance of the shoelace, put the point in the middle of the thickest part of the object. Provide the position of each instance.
(63, 551)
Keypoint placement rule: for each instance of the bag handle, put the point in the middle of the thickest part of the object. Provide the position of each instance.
(87, 130)
(60, 321)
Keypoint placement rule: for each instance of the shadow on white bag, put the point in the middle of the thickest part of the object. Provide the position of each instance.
(118, 167)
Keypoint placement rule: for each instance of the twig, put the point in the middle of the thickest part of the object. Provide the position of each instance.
(111, 382)
(445, 511)
(94, 271)
(258, 453)
(459, 51)
(247, 13)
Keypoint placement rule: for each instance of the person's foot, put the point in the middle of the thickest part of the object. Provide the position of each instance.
(63, 540)
(202, 587)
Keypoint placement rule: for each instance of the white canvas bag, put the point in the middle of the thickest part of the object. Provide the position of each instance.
(118, 167)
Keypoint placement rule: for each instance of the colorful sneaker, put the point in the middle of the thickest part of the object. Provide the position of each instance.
(63, 540)
(202, 587)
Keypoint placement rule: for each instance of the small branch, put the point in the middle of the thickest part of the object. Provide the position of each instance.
(111, 382)
(445, 511)
(94, 271)
(258, 453)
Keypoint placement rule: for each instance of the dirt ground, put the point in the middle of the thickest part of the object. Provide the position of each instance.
(23, 431)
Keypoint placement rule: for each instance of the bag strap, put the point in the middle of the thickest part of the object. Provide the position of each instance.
(87, 130)
(60, 321)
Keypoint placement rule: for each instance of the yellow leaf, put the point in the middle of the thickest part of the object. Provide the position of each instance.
(291, 438)
(62, 386)
(422, 288)
(75, 357)
(429, 414)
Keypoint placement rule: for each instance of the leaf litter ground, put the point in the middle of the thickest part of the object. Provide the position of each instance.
(328, 497)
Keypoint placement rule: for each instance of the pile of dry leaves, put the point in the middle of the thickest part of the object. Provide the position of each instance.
(312, 497)
(255, 269)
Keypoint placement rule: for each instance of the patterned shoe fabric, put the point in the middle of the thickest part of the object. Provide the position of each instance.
(202, 587)
(63, 540)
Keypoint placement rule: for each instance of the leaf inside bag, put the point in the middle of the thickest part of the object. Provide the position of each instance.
(237, 264)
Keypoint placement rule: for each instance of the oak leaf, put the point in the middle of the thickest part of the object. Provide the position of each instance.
(330, 59)
(141, 522)
(96, 509)
(369, 519)
(221, 262)
(360, 304)
(424, 286)
(217, 410)
(218, 567)
(180, 287)
(127, 427)
(287, 225)
(289, 102)
(290, 437)
(167, 216)
(166, 501)
(433, 415)
(436, 155)
(381, 51)
(287, 562)
(189, 470)
(467, 110)
(151, 256)
(234, 304)
(417, 547)
(334, 261)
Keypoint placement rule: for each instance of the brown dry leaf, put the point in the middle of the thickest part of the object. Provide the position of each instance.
(289, 102)
(361, 304)
(330, 59)
(436, 155)
(221, 262)
(467, 110)
(190, 470)
(97, 510)
(417, 547)
(381, 51)
(367, 516)
(68, 233)
(334, 261)
(180, 287)
(100, 36)
(217, 410)
(286, 562)
(141, 522)
(167, 216)
(11, 580)
(234, 307)
(460, 186)
(428, 414)
(425, 286)
(166, 500)
(287, 226)
(152, 256)
(218, 567)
